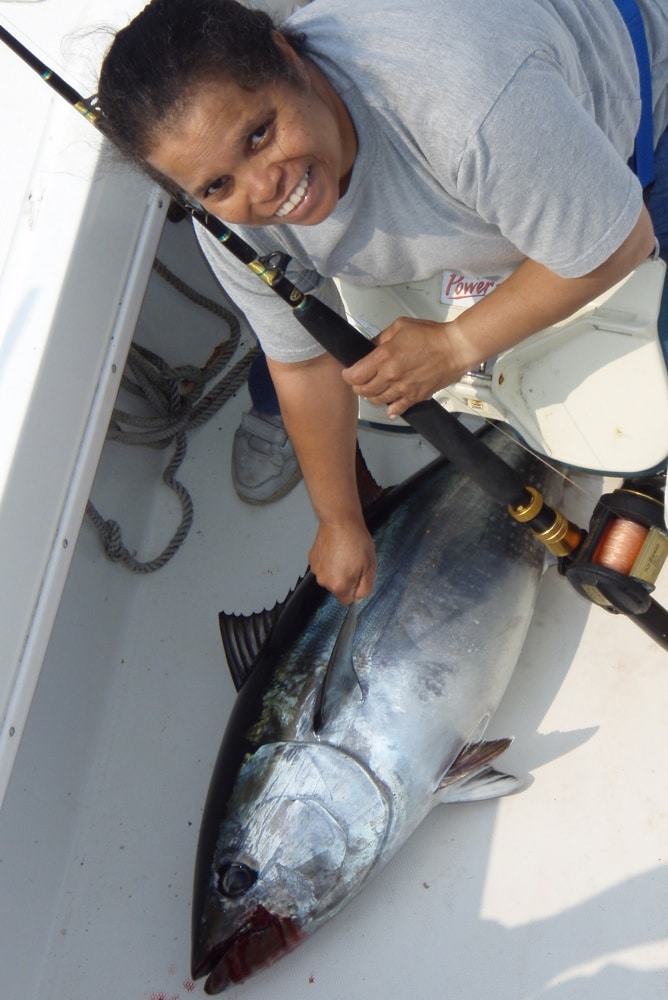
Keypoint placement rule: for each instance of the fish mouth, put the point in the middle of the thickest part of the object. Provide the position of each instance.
(260, 941)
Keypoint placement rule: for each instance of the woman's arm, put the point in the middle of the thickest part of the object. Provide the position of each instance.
(415, 358)
(320, 415)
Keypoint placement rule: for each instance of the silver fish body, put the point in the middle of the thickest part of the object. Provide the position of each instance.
(353, 723)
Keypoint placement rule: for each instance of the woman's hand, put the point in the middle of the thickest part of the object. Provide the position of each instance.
(413, 359)
(343, 560)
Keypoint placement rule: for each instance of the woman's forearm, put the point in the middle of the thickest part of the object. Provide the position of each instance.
(320, 415)
(415, 358)
(533, 297)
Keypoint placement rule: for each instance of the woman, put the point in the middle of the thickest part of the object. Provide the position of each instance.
(385, 142)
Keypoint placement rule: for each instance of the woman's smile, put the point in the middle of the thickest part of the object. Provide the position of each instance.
(297, 197)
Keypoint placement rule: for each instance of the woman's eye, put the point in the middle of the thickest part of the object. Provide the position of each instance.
(258, 135)
(216, 187)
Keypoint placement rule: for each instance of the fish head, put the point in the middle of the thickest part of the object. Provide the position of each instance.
(301, 832)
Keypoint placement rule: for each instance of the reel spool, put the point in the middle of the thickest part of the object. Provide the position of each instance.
(617, 564)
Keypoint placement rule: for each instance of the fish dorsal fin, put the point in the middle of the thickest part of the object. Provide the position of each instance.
(471, 778)
(340, 676)
(244, 636)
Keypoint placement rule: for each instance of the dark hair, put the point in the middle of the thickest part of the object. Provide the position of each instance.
(155, 62)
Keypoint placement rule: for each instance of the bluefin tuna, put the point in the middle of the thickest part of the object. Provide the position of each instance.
(350, 725)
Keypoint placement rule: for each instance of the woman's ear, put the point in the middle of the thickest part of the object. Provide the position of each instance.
(292, 58)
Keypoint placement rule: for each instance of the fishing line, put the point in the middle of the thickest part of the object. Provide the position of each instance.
(597, 582)
(558, 470)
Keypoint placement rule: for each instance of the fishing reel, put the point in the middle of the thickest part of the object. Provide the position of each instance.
(620, 557)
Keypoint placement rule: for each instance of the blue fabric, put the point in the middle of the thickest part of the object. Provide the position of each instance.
(657, 200)
(657, 205)
(261, 388)
(642, 161)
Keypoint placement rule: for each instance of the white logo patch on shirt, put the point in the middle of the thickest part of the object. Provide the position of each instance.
(459, 289)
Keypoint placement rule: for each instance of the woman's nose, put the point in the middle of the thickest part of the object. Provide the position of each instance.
(262, 181)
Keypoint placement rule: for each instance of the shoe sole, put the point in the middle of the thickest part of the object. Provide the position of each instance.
(287, 486)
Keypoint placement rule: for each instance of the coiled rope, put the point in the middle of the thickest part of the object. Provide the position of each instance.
(177, 397)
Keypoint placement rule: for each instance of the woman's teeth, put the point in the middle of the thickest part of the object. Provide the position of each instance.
(296, 196)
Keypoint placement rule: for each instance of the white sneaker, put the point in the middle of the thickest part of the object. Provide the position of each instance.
(264, 464)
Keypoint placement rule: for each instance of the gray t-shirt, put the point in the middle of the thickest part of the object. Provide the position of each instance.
(489, 131)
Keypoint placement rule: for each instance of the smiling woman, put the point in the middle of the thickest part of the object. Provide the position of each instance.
(215, 101)
(384, 143)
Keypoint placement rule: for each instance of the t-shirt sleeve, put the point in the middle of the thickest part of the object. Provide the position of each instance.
(541, 170)
(281, 335)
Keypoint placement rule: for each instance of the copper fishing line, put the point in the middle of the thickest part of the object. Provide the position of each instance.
(620, 545)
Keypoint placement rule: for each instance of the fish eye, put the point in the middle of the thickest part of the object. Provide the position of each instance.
(235, 878)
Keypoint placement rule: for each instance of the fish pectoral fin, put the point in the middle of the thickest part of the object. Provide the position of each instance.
(244, 636)
(487, 784)
(470, 777)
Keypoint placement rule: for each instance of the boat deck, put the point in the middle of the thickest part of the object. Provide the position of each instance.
(558, 891)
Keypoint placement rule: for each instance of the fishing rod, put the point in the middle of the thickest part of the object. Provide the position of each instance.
(627, 593)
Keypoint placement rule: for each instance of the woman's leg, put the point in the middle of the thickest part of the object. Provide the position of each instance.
(264, 464)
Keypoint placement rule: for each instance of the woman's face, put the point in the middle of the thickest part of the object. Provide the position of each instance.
(279, 154)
